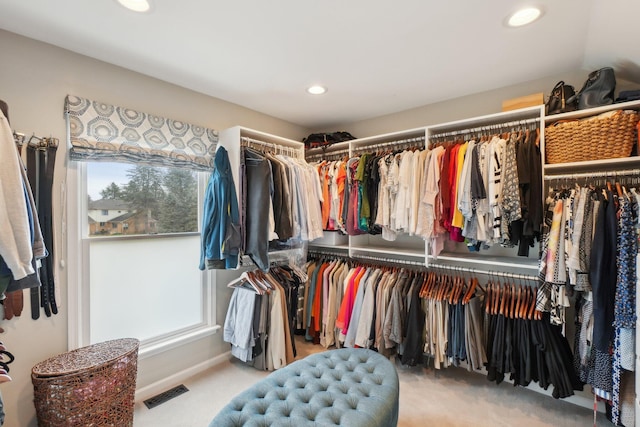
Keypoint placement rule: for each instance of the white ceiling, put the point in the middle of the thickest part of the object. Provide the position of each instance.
(376, 57)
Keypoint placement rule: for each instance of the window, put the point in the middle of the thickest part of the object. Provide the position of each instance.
(148, 269)
(156, 199)
(145, 265)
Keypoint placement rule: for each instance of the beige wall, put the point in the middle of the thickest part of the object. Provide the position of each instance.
(34, 79)
(478, 104)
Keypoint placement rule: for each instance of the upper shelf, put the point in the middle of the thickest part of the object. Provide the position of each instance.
(580, 114)
(604, 165)
(597, 166)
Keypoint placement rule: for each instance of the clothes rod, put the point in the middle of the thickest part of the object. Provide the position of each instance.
(493, 127)
(388, 260)
(328, 154)
(483, 272)
(417, 139)
(611, 174)
(365, 257)
(292, 151)
(322, 252)
(430, 266)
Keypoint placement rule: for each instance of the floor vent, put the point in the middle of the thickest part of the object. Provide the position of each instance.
(159, 399)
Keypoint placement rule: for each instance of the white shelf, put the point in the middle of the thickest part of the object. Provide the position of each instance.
(491, 119)
(341, 247)
(529, 264)
(593, 165)
(387, 137)
(389, 251)
(580, 114)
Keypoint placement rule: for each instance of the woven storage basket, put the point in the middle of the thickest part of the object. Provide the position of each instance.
(602, 137)
(90, 386)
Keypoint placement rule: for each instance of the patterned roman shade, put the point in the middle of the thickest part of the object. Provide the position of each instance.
(102, 132)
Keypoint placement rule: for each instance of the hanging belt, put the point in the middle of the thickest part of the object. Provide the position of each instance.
(32, 175)
(48, 237)
(47, 290)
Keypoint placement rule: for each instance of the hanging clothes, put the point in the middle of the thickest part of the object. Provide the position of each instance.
(596, 232)
(484, 192)
(16, 218)
(262, 317)
(624, 301)
(220, 239)
(280, 204)
(440, 320)
(22, 243)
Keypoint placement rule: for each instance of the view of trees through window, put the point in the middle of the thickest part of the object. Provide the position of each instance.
(135, 199)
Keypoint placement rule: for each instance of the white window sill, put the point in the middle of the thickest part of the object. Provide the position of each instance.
(155, 348)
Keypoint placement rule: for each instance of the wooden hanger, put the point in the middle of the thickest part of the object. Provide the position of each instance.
(504, 300)
(263, 280)
(452, 290)
(487, 297)
(441, 287)
(242, 281)
(462, 290)
(460, 287)
(619, 190)
(518, 302)
(470, 291)
(495, 306)
(526, 301)
(445, 285)
(496, 298)
(532, 306)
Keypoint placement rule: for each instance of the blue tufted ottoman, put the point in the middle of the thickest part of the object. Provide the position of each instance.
(348, 387)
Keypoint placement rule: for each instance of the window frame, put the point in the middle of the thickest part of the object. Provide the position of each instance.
(78, 247)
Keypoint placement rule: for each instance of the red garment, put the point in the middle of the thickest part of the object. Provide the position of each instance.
(451, 172)
(316, 308)
(346, 307)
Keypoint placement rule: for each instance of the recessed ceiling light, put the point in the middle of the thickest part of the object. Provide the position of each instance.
(524, 16)
(316, 90)
(136, 5)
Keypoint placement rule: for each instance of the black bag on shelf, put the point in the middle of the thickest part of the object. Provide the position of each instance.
(598, 89)
(558, 101)
(628, 95)
(316, 140)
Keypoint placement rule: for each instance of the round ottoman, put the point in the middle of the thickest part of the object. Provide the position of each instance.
(348, 387)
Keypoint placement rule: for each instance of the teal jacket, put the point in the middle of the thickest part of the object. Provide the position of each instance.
(220, 239)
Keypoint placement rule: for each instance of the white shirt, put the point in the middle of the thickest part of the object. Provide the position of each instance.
(15, 238)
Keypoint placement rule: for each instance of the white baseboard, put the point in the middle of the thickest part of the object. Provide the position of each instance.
(179, 377)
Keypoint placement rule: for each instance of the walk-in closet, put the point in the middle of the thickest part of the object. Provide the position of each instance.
(342, 213)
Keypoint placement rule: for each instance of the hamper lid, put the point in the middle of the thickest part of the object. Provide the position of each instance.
(85, 357)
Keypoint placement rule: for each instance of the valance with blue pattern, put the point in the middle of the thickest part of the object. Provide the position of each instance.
(102, 132)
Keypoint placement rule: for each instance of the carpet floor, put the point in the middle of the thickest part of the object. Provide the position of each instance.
(444, 398)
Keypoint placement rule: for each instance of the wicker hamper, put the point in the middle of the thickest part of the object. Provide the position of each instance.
(607, 136)
(90, 386)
